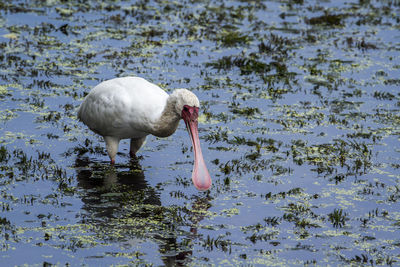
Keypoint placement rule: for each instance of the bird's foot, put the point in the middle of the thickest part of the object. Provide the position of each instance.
(112, 161)
(132, 154)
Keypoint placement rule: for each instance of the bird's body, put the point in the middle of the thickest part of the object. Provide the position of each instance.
(132, 108)
(120, 107)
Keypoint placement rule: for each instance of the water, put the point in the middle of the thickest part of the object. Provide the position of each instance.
(299, 129)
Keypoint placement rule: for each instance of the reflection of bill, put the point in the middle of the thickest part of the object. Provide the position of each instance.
(125, 211)
(199, 208)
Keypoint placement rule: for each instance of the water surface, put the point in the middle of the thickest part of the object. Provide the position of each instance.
(299, 128)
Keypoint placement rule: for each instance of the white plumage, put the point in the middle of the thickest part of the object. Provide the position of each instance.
(121, 107)
(133, 108)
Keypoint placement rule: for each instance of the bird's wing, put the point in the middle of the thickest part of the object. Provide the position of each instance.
(123, 107)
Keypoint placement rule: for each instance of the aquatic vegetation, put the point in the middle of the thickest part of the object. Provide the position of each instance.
(299, 122)
(338, 218)
(326, 20)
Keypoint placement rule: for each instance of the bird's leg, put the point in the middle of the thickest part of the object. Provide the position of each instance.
(136, 144)
(112, 147)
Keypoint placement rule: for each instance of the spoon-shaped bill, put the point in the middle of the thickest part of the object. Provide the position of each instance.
(200, 176)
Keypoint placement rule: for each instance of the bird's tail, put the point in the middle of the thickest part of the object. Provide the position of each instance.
(78, 112)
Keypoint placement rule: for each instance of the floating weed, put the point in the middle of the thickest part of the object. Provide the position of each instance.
(232, 38)
(354, 156)
(262, 237)
(239, 140)
(253, 163)
(383, 95)
(217, 135)
(362, 45)
(246, 111)
(52, 116)
(4, 155)
(272, 221)
(261, 232)
(327, 20)
(282, 195)
(306, 223)
(275, 45)
(247, 65)
(6, 115)
(297, 208)
(230, 212)
(217, 243)
(338, 218)
(253, 156)
(371, 260)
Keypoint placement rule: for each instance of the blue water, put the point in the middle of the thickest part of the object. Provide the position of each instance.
(291, 133)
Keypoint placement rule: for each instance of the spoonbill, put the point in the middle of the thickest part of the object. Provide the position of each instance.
(132, 108)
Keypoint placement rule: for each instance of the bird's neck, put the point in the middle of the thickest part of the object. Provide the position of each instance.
(167, 123)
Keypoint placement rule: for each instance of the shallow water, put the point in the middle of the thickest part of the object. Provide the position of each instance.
(299, 128)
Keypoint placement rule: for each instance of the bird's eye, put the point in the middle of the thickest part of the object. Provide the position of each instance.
(185, 108)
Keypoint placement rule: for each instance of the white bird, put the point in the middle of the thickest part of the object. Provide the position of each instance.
(132, 108)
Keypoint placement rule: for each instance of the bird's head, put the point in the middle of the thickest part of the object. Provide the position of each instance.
(186, 102)
(187, 106)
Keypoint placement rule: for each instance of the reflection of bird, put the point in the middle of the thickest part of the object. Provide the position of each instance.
(132, 107)
(122, 209)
